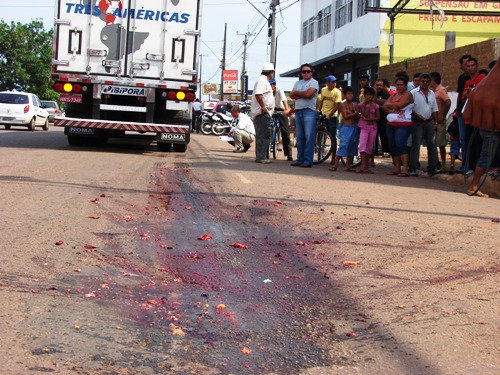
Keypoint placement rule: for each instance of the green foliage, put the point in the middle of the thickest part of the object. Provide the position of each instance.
(25, 58)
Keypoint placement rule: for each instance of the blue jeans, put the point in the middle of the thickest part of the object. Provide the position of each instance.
(331, 126)
(305, 121)
(398, 138)
(489, 149)
(423, 130)
(463, 137)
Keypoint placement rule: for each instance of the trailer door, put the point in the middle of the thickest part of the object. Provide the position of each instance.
(148, 39)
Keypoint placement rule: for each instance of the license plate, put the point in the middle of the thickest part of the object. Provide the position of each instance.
(6, 118)
(84, 131)
(173, 137)
(71, 98)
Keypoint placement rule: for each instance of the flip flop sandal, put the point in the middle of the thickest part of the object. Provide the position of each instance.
(478, 194)
(392, 173)
(403, 175)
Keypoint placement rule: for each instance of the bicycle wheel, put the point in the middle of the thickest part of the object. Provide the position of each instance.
(323, 146)
(276, 143)
(356, 161)
(468, 177)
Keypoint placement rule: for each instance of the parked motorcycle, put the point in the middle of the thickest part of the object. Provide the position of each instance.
(207, 121)
(222, 125)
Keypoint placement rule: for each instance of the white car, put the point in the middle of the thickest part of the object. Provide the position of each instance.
(53, 108)
(22, 109)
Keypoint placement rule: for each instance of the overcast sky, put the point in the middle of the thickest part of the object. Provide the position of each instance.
(240, 16)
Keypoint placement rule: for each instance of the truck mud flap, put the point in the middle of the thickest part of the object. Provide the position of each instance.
(77, 131)
(172, 138)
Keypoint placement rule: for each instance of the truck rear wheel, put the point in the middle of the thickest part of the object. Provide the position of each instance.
(164, 147)
(180, 147)
(74, 140)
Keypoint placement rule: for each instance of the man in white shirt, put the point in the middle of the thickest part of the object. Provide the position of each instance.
(243, 131)
(261, 110)
(425, 119)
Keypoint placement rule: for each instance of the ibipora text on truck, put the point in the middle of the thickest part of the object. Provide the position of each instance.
(126, 66)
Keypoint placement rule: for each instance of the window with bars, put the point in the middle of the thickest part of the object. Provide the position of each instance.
(308, 31)
(324, 21)
(343, 13)
(304, 32)
(311, 30)
(363, 4)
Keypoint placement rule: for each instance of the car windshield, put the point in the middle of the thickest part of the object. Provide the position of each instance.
(49, 104)
(14, 98)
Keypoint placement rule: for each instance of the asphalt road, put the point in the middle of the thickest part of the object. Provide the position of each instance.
(126, 260)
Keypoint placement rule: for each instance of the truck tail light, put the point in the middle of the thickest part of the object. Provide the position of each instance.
(68, 87)
(179, 95)
(58, 86)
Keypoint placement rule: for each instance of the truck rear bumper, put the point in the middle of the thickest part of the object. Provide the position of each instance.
(125, 126)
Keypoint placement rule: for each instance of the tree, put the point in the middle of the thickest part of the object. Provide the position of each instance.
(25, 58)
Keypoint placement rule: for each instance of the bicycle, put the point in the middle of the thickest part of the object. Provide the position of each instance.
(324, 141)
(275, 140)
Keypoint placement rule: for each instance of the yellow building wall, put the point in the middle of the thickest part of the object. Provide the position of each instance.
(414, 35)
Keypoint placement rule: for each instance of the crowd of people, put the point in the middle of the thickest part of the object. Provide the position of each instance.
(379, 120)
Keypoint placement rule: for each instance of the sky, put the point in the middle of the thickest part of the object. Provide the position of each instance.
(241, 17)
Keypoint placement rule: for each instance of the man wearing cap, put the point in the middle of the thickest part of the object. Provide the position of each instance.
(364, 82)
(281, 111)
(329, 104)
(262, 109)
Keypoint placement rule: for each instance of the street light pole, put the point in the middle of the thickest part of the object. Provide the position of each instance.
(223, 64)
(274, 3)
(200, 78)
(243, 70)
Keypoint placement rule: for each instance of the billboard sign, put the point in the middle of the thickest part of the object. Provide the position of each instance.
(210, 89)
(230, 81)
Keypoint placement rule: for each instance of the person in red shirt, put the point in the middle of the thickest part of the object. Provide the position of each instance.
(470, 85)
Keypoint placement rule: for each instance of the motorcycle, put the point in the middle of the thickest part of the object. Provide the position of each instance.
(207, 121)
(222, 125)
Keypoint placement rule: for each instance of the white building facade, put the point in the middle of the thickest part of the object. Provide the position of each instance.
(338, 37)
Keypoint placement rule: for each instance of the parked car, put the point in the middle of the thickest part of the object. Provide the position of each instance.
(222, 107)
(53, 108)
(208, 106)
(22, 109)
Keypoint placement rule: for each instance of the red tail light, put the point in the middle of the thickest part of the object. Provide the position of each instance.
(58, 86)
(181, 95)
(26, 108)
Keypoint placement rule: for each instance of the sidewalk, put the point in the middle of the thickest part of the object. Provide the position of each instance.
(489, 187)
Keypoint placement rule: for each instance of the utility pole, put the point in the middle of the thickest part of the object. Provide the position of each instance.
(243, 69)
(199, 79)
(223, 64)
(272, 31)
